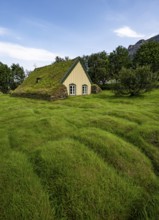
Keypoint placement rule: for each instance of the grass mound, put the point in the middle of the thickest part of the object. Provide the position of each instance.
(81, 188)
(90, 157)
(22, 196)
(120, 154)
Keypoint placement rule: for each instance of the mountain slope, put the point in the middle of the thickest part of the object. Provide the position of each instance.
(132, 49)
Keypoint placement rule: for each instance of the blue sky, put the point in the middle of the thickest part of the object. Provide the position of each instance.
(34, 32)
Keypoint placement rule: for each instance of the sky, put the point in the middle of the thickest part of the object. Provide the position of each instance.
(34, 32)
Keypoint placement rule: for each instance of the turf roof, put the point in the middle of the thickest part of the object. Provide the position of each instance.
(49, 78)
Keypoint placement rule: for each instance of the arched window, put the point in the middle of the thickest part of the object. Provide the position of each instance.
(72, 89)
(84, 89)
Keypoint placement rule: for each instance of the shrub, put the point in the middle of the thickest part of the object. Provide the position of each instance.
(135, 81)
(95, 89)
(107, 86)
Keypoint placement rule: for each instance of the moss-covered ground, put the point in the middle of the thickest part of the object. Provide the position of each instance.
(84, 158)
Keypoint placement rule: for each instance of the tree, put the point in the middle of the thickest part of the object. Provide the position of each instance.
(85, 61)
(117, 60)
(135, 81)
(67, 58)
(4, 78)
(17, 76)
(11, 77)
(60, 59)
(148, 54)
(98, 67)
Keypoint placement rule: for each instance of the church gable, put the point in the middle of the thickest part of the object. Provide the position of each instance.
(77, 81)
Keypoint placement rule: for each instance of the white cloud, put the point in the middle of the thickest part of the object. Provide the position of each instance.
(27, 57)
(3, 31)
(20, 52)
(127, 32)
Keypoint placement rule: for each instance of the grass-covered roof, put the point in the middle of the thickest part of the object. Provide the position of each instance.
(46, 80)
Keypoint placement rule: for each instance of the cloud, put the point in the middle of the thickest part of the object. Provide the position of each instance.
(127, 32)
(3, 31)
(20, 52)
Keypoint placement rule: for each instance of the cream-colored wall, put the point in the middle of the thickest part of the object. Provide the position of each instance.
(78, 77)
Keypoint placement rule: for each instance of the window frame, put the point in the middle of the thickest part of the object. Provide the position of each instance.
(84, 89)
(72, 89)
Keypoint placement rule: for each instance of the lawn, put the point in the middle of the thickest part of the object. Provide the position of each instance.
(83, 158)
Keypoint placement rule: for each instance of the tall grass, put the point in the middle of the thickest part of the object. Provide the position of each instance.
(91, 157)
(22, 196)
(79, 182)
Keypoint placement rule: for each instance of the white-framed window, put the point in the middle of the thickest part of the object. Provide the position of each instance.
(84, 89)
(72, 89)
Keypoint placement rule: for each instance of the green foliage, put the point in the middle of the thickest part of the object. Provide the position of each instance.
(11, 77)
(148, 54)
(60, 59)
(4, 78)
(135, 81)
(98, 67)
(117, 60)
(17, 76)
(95, 89)
(90, 157)
(108, 86)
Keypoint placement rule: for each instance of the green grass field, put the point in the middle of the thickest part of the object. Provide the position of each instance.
(84, 158)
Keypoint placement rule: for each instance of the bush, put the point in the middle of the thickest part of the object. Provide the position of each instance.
(135, 81)
(107, 86)
(95, 89)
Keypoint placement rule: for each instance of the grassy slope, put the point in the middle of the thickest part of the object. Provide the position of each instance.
(92, 157)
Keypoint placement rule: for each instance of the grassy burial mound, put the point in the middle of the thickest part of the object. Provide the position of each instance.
(45, 82)
(89, 157)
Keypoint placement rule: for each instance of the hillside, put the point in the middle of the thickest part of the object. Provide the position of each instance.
(92, 157)
(132, 49)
